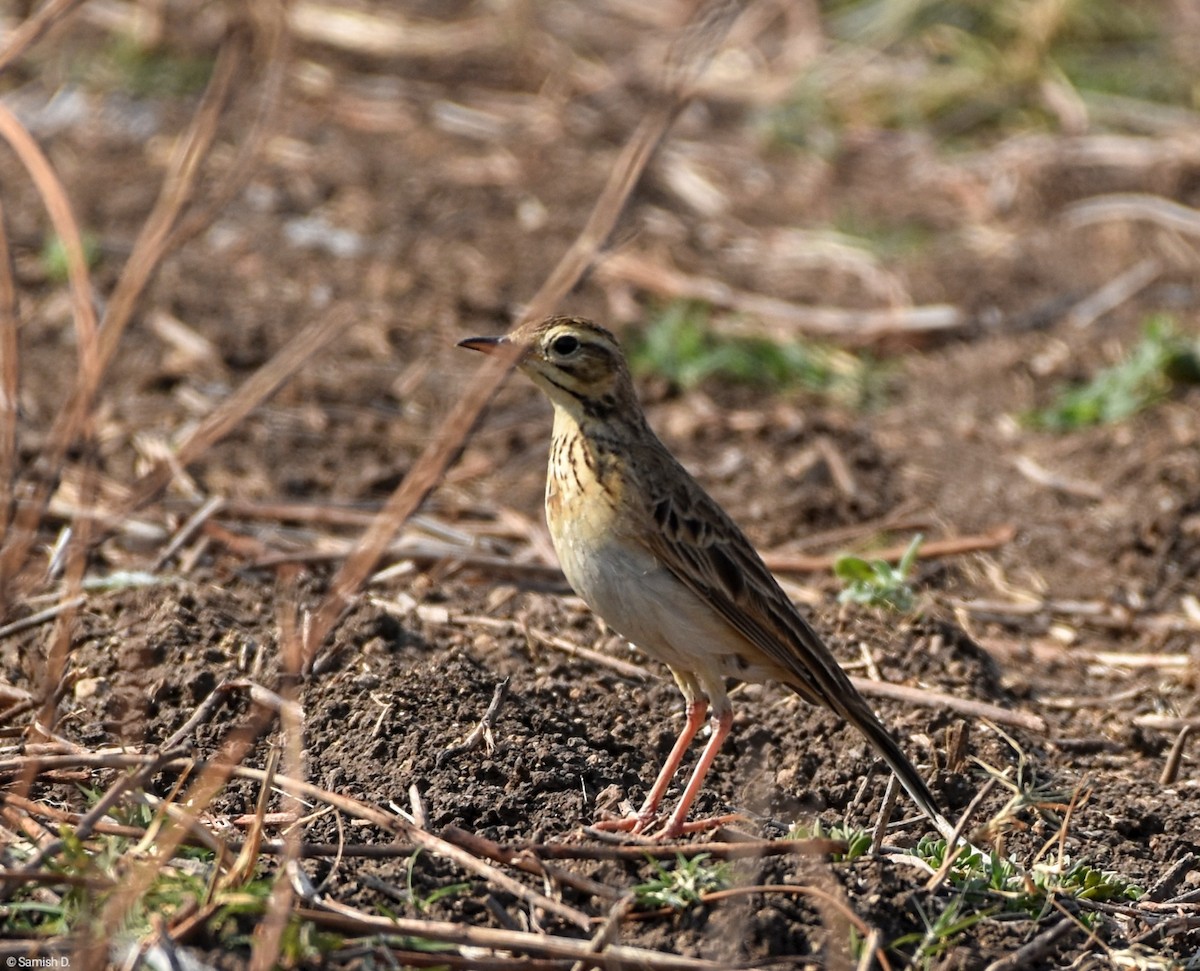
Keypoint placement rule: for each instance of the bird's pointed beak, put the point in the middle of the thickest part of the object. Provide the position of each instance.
(488, 345)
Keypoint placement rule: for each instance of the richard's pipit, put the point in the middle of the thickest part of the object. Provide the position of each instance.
(663, 564)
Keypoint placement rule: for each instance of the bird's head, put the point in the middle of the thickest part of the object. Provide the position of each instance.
(576, 362)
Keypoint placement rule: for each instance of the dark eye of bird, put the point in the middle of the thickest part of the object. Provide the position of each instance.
(565, 344)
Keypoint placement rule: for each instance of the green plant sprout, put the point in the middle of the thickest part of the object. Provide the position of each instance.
(1160, 361)
(876, 583)
(857, 840)
(684, 885)
(679, 345)
(54, 255)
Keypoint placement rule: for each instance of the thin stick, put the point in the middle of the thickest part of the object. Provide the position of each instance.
(804, 891)
(609, 930)
(482, 732)
(885, 812)
(857, 325)
(527, 861)
(1029, 955)
(10, 377)
(426, 840)
(188, 530)
(748, 850)
(937, 699)
(929, 550)
(42, 616)
(233, 409)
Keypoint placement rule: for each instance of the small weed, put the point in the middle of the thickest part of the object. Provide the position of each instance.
(680, 346)
(968, 70)
(876, 583)
(54, 256)
(1162, 359)
(422, 904)
(94, 868)
(1028, 892)
(684, 885)
(941, 930)
(858, 841)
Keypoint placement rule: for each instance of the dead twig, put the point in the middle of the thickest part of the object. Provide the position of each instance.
(929, 550)
(886, 809)
(935, 699)
(43, 616)
(34, 28)
(188, 530)
(1124, 286)
(10, 378)
(955, 846)
(857, 326)
(1035, 950)
(617, 956)
(233, 409)
(1129, 206)
(527, 861)
(482, 732)
(610, 929)
(801, 890)
(747, 850)
(421, 838)
(1170, 771)
(378, 34)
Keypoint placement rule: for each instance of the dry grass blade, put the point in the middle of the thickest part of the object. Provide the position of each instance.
(1130, 206)
(10, 378)
(745, 850)
(97, 350)
(157, 235)
(256, 389)
(268, 936)
(857, 326)
(422, 838)
(34, 29)
(936, 699)
(388, 34)
(829, 901)
(269, 35)
(58, 207)
(347, 921)
(177, 827)
(448, 441)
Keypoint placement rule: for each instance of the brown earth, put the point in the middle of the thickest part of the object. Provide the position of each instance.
(450, 221)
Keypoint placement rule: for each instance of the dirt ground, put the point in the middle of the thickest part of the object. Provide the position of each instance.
(426, 197)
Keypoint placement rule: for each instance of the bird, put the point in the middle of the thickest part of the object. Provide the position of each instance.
(653, 555)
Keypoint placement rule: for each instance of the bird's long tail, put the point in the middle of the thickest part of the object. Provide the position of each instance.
(858, 713)
(865, 720)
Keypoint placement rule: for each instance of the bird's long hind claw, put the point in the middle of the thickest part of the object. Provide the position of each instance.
(636, 823)
(634, 826)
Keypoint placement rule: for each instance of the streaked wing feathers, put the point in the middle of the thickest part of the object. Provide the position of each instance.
(697, 541)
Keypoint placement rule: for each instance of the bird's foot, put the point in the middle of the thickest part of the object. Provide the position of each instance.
(674, 829)
(634, 823)
(639, 825)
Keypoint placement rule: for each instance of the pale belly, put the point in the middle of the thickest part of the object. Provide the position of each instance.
(643, 602)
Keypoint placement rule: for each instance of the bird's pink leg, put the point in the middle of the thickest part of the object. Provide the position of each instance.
(696, 711)
(676, 824)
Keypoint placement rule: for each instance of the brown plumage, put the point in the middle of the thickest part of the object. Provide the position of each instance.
(647, 548)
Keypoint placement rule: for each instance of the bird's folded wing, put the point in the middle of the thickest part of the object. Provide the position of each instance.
(697, 541)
